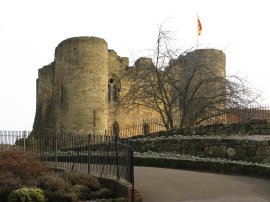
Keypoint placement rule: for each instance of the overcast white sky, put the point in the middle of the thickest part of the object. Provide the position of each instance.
(31, 29)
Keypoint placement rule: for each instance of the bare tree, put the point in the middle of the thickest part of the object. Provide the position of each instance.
(149, 82)
(183, 84)
(206, 94)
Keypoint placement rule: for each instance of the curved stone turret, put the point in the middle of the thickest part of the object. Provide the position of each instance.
(207, 58)
(144, 62)
(44, 97)
(203, 72)
(80, 87)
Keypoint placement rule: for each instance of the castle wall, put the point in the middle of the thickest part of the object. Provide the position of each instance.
(44, 85)
(116, 64)
(126, 115)
(142, 113)
(117, 67)
(72, 92)
(81, 84)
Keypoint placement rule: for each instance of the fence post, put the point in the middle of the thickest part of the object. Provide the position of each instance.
(116, 157)
(24, 136)
(55, 165)
(132, 172)
(88, 161)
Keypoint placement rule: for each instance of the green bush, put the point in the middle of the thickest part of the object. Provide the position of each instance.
(25, 167)
(8, 183)
(103, 193)
(18, 170)
(52, 183)
(89, 181)
(26, 195)
(72, 186)
(81, 191)
(61, 196)
(56, 189)
(87, 186)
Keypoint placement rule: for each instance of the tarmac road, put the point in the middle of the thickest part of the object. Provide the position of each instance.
(169, 185)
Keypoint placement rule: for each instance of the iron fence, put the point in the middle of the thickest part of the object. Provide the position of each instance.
(8, 139)
(106, 154)
(234, 115)
(101, 155)
(237, 115)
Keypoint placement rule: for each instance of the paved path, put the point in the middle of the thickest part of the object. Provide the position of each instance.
(168, 185)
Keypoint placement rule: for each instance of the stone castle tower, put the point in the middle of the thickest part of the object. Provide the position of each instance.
(77, 91)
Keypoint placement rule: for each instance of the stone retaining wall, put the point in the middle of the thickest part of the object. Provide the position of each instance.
(233, 141)
(262, 171)
(252, 127)
(247, 149)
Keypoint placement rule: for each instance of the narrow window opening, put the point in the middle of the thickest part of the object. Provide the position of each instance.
(113, 91)
(115, 94)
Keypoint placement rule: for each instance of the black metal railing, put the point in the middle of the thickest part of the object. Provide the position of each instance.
(105, 154)
(100, 155)
(234, 115)
(96, 154)
(8, 139)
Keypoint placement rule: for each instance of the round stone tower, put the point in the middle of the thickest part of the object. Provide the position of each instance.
(212, 59)
(80, 85)
(203, 70)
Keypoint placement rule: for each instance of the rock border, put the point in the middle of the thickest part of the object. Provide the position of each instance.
(253, 170)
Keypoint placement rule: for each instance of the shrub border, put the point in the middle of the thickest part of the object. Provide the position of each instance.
(122, 188)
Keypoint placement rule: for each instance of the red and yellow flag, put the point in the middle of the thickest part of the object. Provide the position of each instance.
(199, 27)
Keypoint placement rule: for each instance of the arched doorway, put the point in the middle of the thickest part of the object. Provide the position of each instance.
(146, 128)
(116, 129)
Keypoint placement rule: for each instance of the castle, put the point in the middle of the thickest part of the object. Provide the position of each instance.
(78, 90)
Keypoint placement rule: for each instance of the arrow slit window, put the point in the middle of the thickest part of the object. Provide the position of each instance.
(113, 90)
